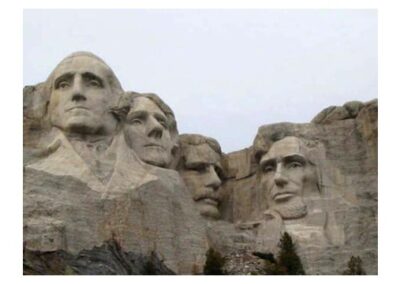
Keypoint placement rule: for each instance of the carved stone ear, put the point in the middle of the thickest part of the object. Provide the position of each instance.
(175, 148)
(176, 156)
(36, 100)
(120, 112)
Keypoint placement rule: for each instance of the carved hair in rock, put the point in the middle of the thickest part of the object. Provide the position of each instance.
(269, 134)
(196, 139)
(127, 101)
(188, 140)
(111, 78)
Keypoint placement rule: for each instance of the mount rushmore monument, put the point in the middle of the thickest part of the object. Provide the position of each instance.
(112, 187)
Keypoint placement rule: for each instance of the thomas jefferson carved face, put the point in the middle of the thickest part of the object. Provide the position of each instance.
(201, 173)
(285, 173)
(147, 132)
(81, 96)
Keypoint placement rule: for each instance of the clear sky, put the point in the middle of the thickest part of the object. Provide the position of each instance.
(223, 72)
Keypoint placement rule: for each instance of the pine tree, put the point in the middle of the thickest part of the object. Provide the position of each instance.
(354, 266)
(214, 263)
(288, 260)
(271, 267)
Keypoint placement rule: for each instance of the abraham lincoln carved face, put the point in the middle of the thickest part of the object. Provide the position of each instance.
(286, 173)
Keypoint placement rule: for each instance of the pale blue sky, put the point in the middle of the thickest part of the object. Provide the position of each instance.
(223, 72)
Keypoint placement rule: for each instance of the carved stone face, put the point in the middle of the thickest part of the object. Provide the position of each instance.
(147, 133)
(202, 175)
(81, 97)
(284, 175)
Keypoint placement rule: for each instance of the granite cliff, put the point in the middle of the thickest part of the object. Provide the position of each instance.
(110, 187)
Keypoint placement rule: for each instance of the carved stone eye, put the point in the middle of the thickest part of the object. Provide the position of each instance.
(162, 122)
(63, 85)
(136, 121)
(294, 165)
(94, 83)
(201, 168)
(268, 169)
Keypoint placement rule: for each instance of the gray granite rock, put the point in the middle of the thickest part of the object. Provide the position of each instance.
(107, 259)
(96, 169)
(85, 183)
(63, 213)
(340, 221)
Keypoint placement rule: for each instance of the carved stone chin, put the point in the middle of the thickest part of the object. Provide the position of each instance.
(292, 210)
(208, 210)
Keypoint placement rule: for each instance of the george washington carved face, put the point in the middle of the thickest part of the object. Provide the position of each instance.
(81, 96)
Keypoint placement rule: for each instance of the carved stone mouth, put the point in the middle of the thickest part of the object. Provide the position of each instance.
(77, 107)
(154, 145)
(209, 201)
(281, 196)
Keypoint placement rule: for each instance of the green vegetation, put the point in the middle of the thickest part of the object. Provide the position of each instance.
(288, 262)
(354, 266)
(214, 263)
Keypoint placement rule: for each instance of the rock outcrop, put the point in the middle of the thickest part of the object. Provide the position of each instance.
(341, 222)
(111, 188)
(84, 184)
(107, 259)
(63, 213)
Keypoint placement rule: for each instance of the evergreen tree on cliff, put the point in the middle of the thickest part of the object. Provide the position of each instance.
(288, 258)
(354, 266)
(214, 263)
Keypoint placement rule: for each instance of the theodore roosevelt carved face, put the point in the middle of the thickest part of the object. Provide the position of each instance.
(200, 168)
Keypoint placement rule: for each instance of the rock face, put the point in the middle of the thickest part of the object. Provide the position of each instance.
(110, 187)
(342, 220)
(201, 169)
(63, 213)
(84, 184)
(108, 259)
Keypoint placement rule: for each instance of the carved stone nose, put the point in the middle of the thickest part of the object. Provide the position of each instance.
(155, 129)
(279, 179)
(155, 132)
(213, 180)
(78, 97)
